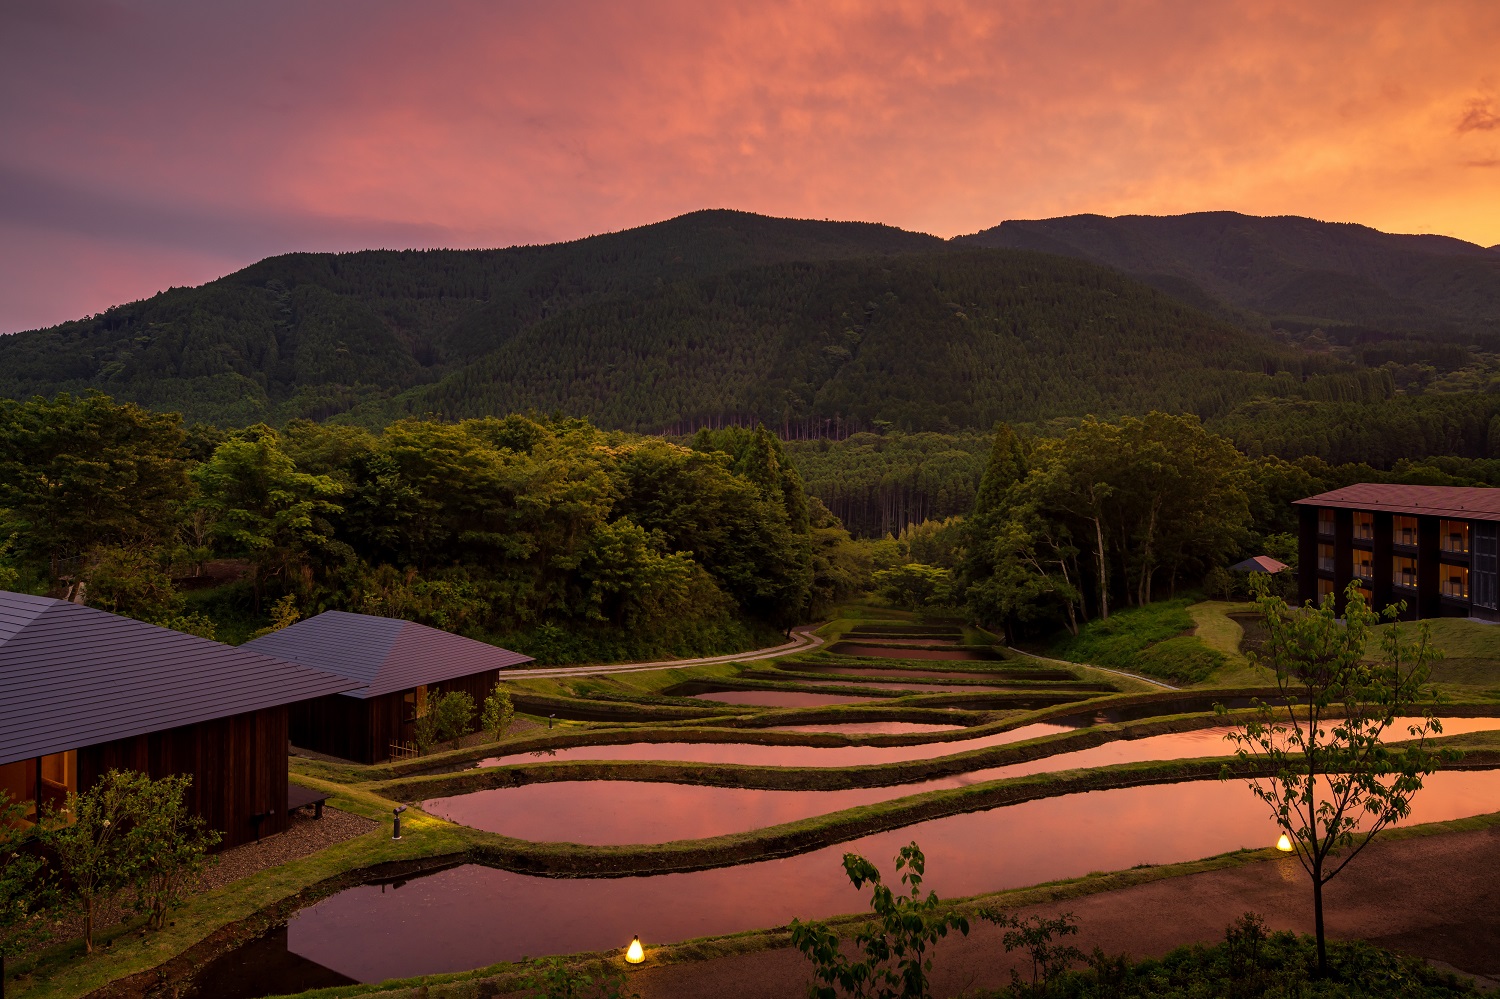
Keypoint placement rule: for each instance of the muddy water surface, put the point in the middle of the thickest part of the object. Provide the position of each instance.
(471, 916)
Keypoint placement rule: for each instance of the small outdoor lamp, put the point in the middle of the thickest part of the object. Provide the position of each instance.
(396, 832)
(635, 953)
(1284, 844)
(550, 719)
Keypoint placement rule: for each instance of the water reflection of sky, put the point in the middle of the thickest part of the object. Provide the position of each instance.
(473, 916)
(788, 756)
(619, 812)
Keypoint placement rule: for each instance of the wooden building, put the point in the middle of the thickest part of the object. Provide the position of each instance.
(396, 663)
(1433, 548)
(83, 691)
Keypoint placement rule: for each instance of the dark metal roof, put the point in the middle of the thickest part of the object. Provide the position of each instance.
(385, 654)
(73, 676)
(1259, 563)
(1456, 502)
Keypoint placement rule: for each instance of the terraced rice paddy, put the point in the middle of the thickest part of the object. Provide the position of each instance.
(712, 780)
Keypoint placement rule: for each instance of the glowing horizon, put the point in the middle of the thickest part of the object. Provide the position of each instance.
(168, 144)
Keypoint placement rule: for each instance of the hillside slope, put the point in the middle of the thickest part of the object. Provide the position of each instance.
(1284, 268)
(315, 333)
(924, 342)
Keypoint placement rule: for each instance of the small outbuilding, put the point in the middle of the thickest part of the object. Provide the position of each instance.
(1260, 564)
(83, 691)
(395, 663)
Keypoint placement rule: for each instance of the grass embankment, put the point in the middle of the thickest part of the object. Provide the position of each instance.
(1183, 641)
(1470, 663)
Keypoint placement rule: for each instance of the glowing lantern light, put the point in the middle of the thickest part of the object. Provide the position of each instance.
(1284, 844)
(635, 954)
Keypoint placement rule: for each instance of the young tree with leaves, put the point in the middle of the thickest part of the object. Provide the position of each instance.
(91, 840)
(895, 962)
(1333, 781)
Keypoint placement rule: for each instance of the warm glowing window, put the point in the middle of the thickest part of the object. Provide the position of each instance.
(1367, 595)
(1364, 526)
(1456, 581)
(1404, 572)
(1404, 530)
(1325, 558)
(54, 776)
(1364, 565)
(1325, 522)
(1455, 534)
(1325, 587)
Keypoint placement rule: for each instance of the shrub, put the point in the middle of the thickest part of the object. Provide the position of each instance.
(499, 711)
(449, 717)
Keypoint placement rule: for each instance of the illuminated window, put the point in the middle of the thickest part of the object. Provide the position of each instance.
(1404, 530)
(1404, 572)
(53, 776)
(1364, 565)
(1325, 522)
(1368, 596)
(1325, 587)
(1364, 526)
(1456, 581)
(1325, 558)
(1455, 534)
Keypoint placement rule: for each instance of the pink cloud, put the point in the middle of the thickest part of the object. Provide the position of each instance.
(236, 130)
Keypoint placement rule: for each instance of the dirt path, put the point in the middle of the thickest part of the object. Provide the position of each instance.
(1437, 897)
(801, 640)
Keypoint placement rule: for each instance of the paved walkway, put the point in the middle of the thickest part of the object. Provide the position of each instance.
(1437, 897)
(802, 639)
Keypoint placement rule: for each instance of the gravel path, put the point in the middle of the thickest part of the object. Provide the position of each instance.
(1437, 897)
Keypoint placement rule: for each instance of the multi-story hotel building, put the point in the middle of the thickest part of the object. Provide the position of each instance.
(1433, 547)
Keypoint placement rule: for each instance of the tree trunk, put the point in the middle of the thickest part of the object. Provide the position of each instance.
(1103, 571)
(88, 926)
(1318, 918)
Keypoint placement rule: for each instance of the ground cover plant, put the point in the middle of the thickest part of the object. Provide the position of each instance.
(1251, 963)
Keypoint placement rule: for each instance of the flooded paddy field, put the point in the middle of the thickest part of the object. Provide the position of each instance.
(471, 916)
(607, 813)
(867, 728)
(779, 698)
(957, 654)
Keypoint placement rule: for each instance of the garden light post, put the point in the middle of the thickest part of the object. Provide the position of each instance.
(635, 954)
(396, 832)
(1284, 844)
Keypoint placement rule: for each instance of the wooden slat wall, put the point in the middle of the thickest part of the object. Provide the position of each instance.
(363, 730)
(238, 766)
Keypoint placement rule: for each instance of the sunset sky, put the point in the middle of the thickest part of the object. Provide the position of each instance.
(149, 144)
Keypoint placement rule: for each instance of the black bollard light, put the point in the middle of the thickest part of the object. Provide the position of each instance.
(550, 719)
(396, 832)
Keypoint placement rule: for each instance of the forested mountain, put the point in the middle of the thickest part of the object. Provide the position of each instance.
(311, 334)
(926, 342)
(1285, 269)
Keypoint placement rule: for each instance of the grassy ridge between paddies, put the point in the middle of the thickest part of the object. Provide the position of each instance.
(823, 778)
(216, 921)
(747, 729)
(504, 978)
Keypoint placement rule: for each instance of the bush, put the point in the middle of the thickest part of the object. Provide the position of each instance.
(1254, 964)
(449, 717)
(499, 711)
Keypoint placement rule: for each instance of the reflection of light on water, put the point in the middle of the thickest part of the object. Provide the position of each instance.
(467, 917)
